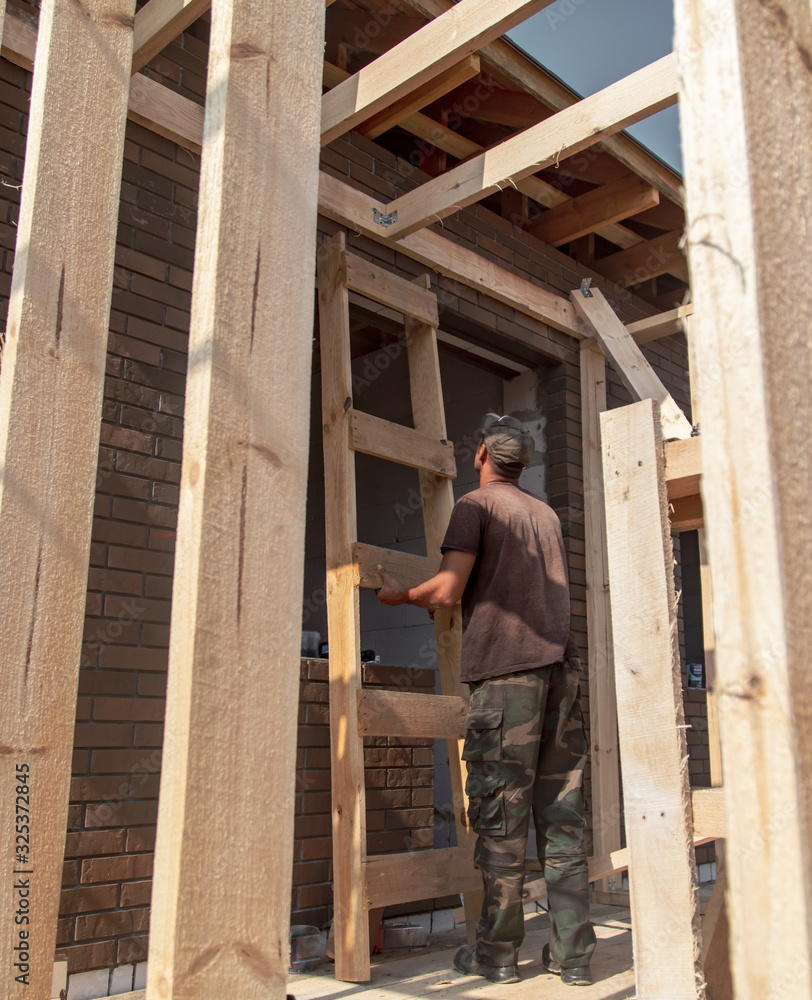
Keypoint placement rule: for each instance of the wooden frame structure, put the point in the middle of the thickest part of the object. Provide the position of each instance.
(222, 936)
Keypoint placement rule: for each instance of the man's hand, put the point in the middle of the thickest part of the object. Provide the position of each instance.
(392, 592)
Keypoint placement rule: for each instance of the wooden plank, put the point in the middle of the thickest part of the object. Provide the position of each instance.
(158, 23)
(402, 713)
(409, 569)
(662, 325)
(343, 620)
(437, 496)
(708, 805)
(239, 566)
(530, 76)
(444, 82)
(683, 467)
(50, 410)
(418, 59)
(661, 255)
(754, 406)
(391, 879)
(687, 514)
(599, 207)
(606, 809)
(635, 372)
(630, 100)
(396, 443)
(716, 941)
(390, 289)
(346, 205)
(19, 38)
(657, 798)
(168, 114)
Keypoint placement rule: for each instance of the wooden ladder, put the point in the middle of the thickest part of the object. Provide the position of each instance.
(364, 884)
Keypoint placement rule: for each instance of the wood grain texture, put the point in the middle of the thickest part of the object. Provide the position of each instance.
(657, 801)
(683, 467)
(662, 325)
(409, 569)
(220, 909)
(390, 289)
(661, 255)
(403, 713)
(576, 128)
(343, 620)
(50, 410)
(418, 59)
(400, 444)
(748, 233)
(606, 810)
(634, 370)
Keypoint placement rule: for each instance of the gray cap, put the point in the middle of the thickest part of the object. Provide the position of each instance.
(510, 446)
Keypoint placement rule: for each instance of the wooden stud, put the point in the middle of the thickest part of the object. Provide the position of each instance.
(683, 467)
(343, 617)
(403, 713)
(50, 410)
(606, 811)
(411, 570)
(657, 801)
(386, 288)
(417, 60)
(749, 230)
(630, 100)
(444, 82)
(635, 372)
(600, 207)
(158, 23)
(220, 915)
(662, 325)
(661, 255)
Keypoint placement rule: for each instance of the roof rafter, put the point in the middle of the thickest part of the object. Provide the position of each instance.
(410, 65)
(623, 103)
(158, 23)
(647, 260)
(600, 207)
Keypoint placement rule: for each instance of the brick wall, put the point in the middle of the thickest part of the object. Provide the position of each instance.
(103, 920)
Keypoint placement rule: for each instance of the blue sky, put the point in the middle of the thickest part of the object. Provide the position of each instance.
(592, 43)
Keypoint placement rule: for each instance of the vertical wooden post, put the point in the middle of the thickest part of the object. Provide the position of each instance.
(746, 112)
(221, 897)
(50, 409)
(344, 622)
(437, 493)
(602, 699)
(657, 798)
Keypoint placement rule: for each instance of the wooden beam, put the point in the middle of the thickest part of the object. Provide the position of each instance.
(417, 60)
(402, 713)
(687, 514)
(19, 38)
(662, 325)
(661, 255)
(236, 604)
(635, 372)
(50, 410)
(168, 114)
(396, 443)
(410, 569)
(600, 207)
(158, 23)
(683, 467)
(653, 748)
(366, 31)
(749, 340)
(448, 80)
(630, 100)
(389, 289)
(512, 64)
(606, 811)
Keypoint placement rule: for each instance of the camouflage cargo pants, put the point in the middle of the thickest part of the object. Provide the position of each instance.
(526, 749)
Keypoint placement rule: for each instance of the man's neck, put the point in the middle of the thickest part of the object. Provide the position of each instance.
(490, 476)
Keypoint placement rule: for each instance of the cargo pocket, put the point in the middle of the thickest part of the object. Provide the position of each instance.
(486, 800)
(483, 735)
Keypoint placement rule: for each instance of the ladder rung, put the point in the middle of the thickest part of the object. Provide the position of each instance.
(403, 713)
(389, 289)
(409, 569)
(392, 879)
(404, 445)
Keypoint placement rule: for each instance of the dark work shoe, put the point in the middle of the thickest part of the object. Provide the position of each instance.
(580, 976)
(466, 962)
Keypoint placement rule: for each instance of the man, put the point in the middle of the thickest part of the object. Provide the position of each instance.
(503, 555)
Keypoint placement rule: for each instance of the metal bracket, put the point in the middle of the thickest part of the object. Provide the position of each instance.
(384, 220)
(586, 283)
(695, 431)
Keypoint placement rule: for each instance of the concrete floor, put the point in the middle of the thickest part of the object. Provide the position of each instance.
(399, 975)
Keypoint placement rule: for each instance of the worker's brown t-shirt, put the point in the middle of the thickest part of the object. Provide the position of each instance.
(516, 605)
